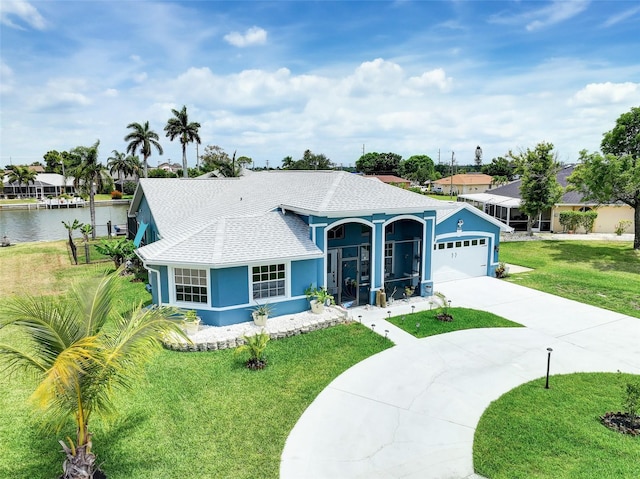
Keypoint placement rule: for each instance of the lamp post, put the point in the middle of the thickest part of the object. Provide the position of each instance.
(549, 350)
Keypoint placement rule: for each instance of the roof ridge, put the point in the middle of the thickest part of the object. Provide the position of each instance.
(332, 190)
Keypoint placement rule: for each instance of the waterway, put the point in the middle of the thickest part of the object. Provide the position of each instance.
(46, 225)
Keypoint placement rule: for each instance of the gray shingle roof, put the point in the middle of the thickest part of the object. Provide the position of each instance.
(512, 190)
(225, 221)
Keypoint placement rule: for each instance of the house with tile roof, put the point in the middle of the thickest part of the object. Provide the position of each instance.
(224, 245)
(462, 184)
(503, 203)
(391, 180)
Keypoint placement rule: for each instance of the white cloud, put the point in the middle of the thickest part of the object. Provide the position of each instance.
(606, 93)
(253, 36)
(26, 12)
(622, 16)
(111, 92)
(556, 12)
(434, 78)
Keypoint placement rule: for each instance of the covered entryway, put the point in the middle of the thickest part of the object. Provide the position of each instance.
(349, 263)
(459, 259)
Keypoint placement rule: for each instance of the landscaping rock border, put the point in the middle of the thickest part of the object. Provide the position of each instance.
(213, 338)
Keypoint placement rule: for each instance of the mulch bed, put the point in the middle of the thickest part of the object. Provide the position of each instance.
(622, 423)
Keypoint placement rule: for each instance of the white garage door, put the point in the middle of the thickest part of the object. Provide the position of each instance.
(459, 259)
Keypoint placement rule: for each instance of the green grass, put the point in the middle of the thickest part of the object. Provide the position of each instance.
(197, 414)
(443, 197)
(600, 273)
(463, 318)
(16, 201)
(532, 432)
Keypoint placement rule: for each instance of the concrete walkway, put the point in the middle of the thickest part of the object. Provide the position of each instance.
(411, 411)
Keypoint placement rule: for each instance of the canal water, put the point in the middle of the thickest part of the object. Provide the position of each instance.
(46, 225)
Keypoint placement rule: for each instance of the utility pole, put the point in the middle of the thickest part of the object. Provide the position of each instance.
(451, 177)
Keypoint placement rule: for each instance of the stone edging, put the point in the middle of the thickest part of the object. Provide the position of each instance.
(285, 332)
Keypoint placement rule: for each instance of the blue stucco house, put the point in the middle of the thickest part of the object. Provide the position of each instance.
(223, 245)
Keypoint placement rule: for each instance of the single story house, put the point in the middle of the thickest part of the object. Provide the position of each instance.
(222, 246)
(462, 184)
(503, 203)
(391, 180)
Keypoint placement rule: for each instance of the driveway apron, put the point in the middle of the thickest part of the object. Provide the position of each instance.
(411, 411)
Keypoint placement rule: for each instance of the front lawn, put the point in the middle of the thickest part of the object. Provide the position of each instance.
(601, 273)
(533, 432)
(424, 323)
(197, 414)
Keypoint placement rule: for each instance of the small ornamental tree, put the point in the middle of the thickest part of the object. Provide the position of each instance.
(540, 189)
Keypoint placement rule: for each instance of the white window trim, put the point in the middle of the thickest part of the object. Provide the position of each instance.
(287, 282)
(172, 288)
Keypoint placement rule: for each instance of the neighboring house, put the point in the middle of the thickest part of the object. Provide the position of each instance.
(45, 184)
(223, 245)
(503, 203)
(171, 167)
(391, 180)
(462, 184)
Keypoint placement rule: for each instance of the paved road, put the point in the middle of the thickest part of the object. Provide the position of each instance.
(411, 411)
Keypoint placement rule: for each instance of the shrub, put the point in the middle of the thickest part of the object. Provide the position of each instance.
(129, 187)
(570, 220)
(255, 345)
(116, 195)
(588, 218)
(622, 226)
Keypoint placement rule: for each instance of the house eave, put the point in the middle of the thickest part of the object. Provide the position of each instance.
(363, 212)
(231, 264)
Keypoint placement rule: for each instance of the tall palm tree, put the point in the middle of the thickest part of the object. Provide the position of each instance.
(89, 175)
(22, 175)
(141, 138)
(121, 164)
(81, 351)
(179, 127)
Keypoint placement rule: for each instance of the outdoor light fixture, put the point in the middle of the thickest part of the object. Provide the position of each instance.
(389, 313)
(549, 350)
(386, 333)
(360, 318)
(460, 223)
(413, 307)
(373, 327)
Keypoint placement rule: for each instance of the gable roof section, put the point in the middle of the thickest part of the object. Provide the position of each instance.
(443, 215)
(237, 241)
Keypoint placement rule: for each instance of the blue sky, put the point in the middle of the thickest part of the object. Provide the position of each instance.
(271, 79)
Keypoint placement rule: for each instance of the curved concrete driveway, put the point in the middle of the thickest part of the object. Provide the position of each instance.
(411, 411)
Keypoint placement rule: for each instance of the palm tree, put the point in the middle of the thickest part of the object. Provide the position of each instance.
(89, 175)
(22, 175)
(179, 127)
(81, 351)
(141, 138)
(121, 164)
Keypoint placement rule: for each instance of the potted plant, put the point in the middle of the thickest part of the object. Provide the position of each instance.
(318, 298)
(261, 313)
(191, 322)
